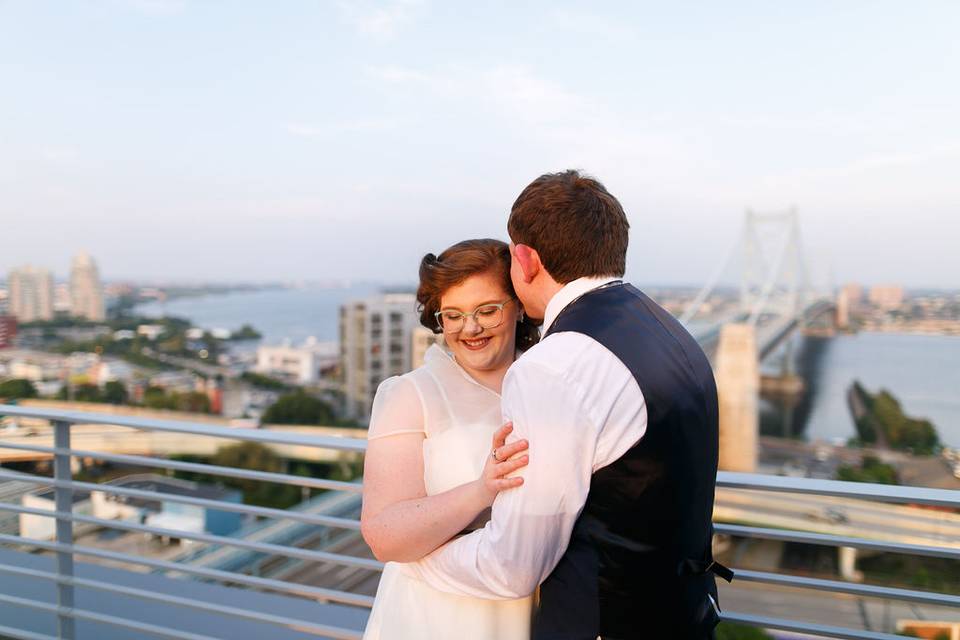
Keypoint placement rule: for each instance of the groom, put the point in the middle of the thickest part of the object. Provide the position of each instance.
(619, 405)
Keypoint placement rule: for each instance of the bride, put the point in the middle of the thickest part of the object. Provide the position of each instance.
(429, 472)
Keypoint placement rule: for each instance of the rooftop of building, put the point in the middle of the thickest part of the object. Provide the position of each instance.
(165, 485)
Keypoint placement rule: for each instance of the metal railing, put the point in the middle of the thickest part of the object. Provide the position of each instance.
(65, 550)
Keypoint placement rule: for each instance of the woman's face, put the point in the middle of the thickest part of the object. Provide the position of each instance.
(475, 346)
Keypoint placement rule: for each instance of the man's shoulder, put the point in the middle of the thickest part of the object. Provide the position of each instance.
(559, 353)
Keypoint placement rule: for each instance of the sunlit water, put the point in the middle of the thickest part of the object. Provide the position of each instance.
(279, 314)
(923, 372)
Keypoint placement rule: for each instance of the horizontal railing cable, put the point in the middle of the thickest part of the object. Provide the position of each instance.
(21, 634)
(250, 614)
(830, 540)
(858, 490)
(842, 633)
(219, 505)
(212, 469)
(213, 574)
(83, 614)
(835, 586)
(263, 547)
(270, 436)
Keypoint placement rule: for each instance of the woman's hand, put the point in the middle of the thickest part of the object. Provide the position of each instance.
(502, 460)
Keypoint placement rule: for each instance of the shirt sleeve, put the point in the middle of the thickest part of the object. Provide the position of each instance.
(397, 409)
(530, 526)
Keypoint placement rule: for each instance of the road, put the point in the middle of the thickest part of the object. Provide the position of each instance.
(839, 516)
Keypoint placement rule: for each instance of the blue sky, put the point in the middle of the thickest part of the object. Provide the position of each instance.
(315, 140)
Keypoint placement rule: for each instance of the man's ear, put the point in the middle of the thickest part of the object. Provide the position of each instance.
(529, 261)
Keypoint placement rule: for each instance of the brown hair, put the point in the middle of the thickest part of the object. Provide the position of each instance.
(573, 222)
(464, 259)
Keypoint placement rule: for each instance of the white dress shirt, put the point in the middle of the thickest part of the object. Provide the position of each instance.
(581, 409)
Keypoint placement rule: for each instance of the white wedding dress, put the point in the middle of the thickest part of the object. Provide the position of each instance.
(459, 417)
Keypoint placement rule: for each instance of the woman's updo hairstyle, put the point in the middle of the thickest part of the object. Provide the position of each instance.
(461, 261)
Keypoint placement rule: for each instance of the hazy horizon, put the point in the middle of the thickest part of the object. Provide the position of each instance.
(241, 142)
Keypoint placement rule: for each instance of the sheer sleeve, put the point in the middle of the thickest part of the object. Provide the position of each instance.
(397, 409)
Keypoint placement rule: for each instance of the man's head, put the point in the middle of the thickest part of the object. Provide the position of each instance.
(564, 226)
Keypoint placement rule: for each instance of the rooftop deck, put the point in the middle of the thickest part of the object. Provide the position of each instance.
(304, 572)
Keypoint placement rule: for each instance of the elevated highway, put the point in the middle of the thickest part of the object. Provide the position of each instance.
(840, 516)
(113, 439)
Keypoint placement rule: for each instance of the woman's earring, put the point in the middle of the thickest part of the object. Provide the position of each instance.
(521, 317)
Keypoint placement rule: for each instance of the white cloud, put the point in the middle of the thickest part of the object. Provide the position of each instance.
(155, 7)
(553, 121)
(589, 24)
(313, 130)
(394, 74)
(513, 91)
(62, 155)
(868, 167)
(379, 21)
(521, 94)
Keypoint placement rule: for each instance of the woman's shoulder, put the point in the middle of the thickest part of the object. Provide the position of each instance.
(397, 408)
(416, 382)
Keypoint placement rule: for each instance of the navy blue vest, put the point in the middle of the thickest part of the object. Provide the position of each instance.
(639, 563)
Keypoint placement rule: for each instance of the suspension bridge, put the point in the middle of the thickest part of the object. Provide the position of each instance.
(774, 297)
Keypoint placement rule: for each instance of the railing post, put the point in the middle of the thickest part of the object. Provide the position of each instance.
(64, 504)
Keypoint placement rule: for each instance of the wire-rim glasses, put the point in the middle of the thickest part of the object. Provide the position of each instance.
(487, 316)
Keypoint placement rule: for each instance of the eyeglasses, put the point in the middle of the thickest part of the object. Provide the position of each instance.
(488, 316)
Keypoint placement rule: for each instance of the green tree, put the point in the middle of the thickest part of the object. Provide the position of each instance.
(871, 469)
(87, 392)
(264, 382)
(114, 392)
(17, 388)
(157, 398)
(298, 408)
(246, 332)
(885, 422)
(733, 631)
(257, 457)
(192, 401)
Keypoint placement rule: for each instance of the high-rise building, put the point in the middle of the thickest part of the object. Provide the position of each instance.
(375, 343)
(854, 294)
(62, 305)
(423, 339)
(86, 291)
(30, 294)
(887, 296)
(8, 330)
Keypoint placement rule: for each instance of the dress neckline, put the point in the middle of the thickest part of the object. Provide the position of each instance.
(436, 351)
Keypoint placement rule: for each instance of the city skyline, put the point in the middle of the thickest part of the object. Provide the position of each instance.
(345, 140)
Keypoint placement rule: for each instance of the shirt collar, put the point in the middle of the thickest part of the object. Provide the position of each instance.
(570, 292)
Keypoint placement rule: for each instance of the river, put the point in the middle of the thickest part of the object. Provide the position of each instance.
(923, 372)
(278, 314)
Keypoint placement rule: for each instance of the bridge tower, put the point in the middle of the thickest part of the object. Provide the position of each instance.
(737, 371)
(767, 262)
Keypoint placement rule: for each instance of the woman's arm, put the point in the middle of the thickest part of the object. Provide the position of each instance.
(399, 521)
